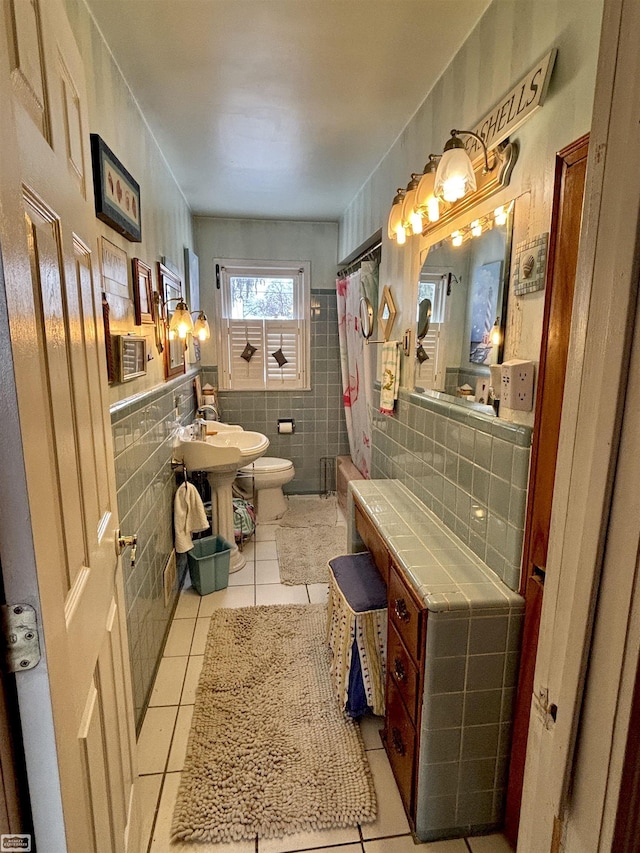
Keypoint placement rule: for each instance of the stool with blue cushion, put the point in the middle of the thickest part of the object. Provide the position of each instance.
(357, 633)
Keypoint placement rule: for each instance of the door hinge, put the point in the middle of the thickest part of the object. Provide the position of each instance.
(546, 711)
(22, 644)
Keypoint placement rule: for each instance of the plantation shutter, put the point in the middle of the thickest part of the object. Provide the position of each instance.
(283, 335)
(245, 375)
(427, 372)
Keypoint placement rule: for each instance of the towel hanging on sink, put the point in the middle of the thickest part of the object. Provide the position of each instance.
(189, 516)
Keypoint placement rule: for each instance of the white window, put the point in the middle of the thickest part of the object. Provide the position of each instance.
(264, 325)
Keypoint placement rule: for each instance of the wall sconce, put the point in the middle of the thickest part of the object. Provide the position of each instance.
(455, 176)
(395, 227)
(426, 200)
(180, 324)
(411, 216)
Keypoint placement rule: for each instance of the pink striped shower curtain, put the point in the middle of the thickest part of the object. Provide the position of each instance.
(357, 361)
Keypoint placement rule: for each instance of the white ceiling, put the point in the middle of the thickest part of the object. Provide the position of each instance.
(280, 109)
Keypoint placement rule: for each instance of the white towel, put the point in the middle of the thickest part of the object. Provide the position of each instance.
(390, 376)
(188, 516)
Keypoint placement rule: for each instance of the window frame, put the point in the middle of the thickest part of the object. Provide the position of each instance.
(226, 268)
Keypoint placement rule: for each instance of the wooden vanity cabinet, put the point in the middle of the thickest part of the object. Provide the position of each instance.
(407, 620)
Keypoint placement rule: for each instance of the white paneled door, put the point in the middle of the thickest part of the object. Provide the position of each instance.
(58, 544)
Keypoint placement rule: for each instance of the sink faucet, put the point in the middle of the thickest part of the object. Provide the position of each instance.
(209, 407)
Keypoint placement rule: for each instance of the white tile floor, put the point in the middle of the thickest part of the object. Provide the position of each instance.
(163, 739)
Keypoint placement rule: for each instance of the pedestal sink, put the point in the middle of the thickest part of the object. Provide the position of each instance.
(220, 456)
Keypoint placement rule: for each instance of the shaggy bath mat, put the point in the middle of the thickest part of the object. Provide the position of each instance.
(310, 511)
(269, 750)
(303, 555)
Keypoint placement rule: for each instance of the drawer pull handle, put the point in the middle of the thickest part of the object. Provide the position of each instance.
(399, 670)
(398, 743)
(400, 608)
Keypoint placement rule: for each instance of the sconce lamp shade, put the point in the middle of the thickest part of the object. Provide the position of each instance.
(395, 227)
(201, 327)
(181, 322)
(426, 200)
(411, 216)
(454, 177)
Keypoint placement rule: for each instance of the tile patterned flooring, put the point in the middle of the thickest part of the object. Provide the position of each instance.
(163, 739)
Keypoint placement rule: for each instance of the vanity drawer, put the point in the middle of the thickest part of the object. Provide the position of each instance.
(404, 614)
(404, 673)
(400, 744)
(374, 543)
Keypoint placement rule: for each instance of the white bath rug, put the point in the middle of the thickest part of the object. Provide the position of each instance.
(303, 554)
(310, 511)
(269, 750)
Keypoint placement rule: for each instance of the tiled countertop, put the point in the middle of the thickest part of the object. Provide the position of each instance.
(445, 573)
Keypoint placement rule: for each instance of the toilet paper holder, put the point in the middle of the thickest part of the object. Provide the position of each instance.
(286, 426)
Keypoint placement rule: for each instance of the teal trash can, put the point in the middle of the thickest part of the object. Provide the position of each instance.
(208, 563)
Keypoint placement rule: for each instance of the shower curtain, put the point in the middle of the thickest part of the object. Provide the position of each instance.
(357, 361)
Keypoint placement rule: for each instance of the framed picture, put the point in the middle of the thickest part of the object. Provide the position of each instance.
(117, 193)
(115, 269)
(142, 292)
(192, 278)
(170, 291)
(108, 343)
(485, 288)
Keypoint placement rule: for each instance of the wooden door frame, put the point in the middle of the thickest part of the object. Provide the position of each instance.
(557, 310)
(596, 382)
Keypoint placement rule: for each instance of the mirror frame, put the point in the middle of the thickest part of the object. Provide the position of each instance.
(501, 307)
(366, 317)
(386, 323)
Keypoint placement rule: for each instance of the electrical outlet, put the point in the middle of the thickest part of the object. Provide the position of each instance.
(516, 387)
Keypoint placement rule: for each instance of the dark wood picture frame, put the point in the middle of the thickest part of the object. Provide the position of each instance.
(117, 193)
(142, 292)
(169, 291)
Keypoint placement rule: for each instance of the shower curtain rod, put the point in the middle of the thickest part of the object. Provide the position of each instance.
(365, 256)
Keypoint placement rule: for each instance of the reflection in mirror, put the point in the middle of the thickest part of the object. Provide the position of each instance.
(366, 317)
(467, 286)
(424, 318)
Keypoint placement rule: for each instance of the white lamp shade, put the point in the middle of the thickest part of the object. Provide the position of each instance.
(201, 327)
(181, 322)
(395, 220)
(454, 177)
(411, 217)
(426, 200)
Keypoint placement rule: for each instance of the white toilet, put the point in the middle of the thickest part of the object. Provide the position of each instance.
(262, 482)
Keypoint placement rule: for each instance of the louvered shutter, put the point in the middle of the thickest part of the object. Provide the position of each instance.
(426, 373)
(285, 335)
(245, 375)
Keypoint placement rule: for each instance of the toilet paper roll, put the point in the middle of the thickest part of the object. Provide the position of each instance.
(285, 427)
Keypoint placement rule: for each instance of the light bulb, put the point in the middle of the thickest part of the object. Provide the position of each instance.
(454, 177)
(496, 334)
(415, 221)
(500, 215)
(401, 235)
(476, 228)
(453, 188)
(433, 209)
(395, 216)
(456, 238)
(201, 327)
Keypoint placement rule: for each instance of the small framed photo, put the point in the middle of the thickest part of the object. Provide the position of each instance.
(117, 193)
(142, 292)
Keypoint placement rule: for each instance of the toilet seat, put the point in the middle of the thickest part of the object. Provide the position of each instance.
(267, 465)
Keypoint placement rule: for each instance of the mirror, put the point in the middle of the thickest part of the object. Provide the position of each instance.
(467, 287)
(424, 318)
(170, 288)
(386, 313)
(366, 317)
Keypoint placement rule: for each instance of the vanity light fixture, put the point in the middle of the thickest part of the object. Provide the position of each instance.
(181, 323)
(395, 228)
(411, 216)
(500, 215)
(495, 335)
(455, 176)
(426, 200)
(201, 328)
